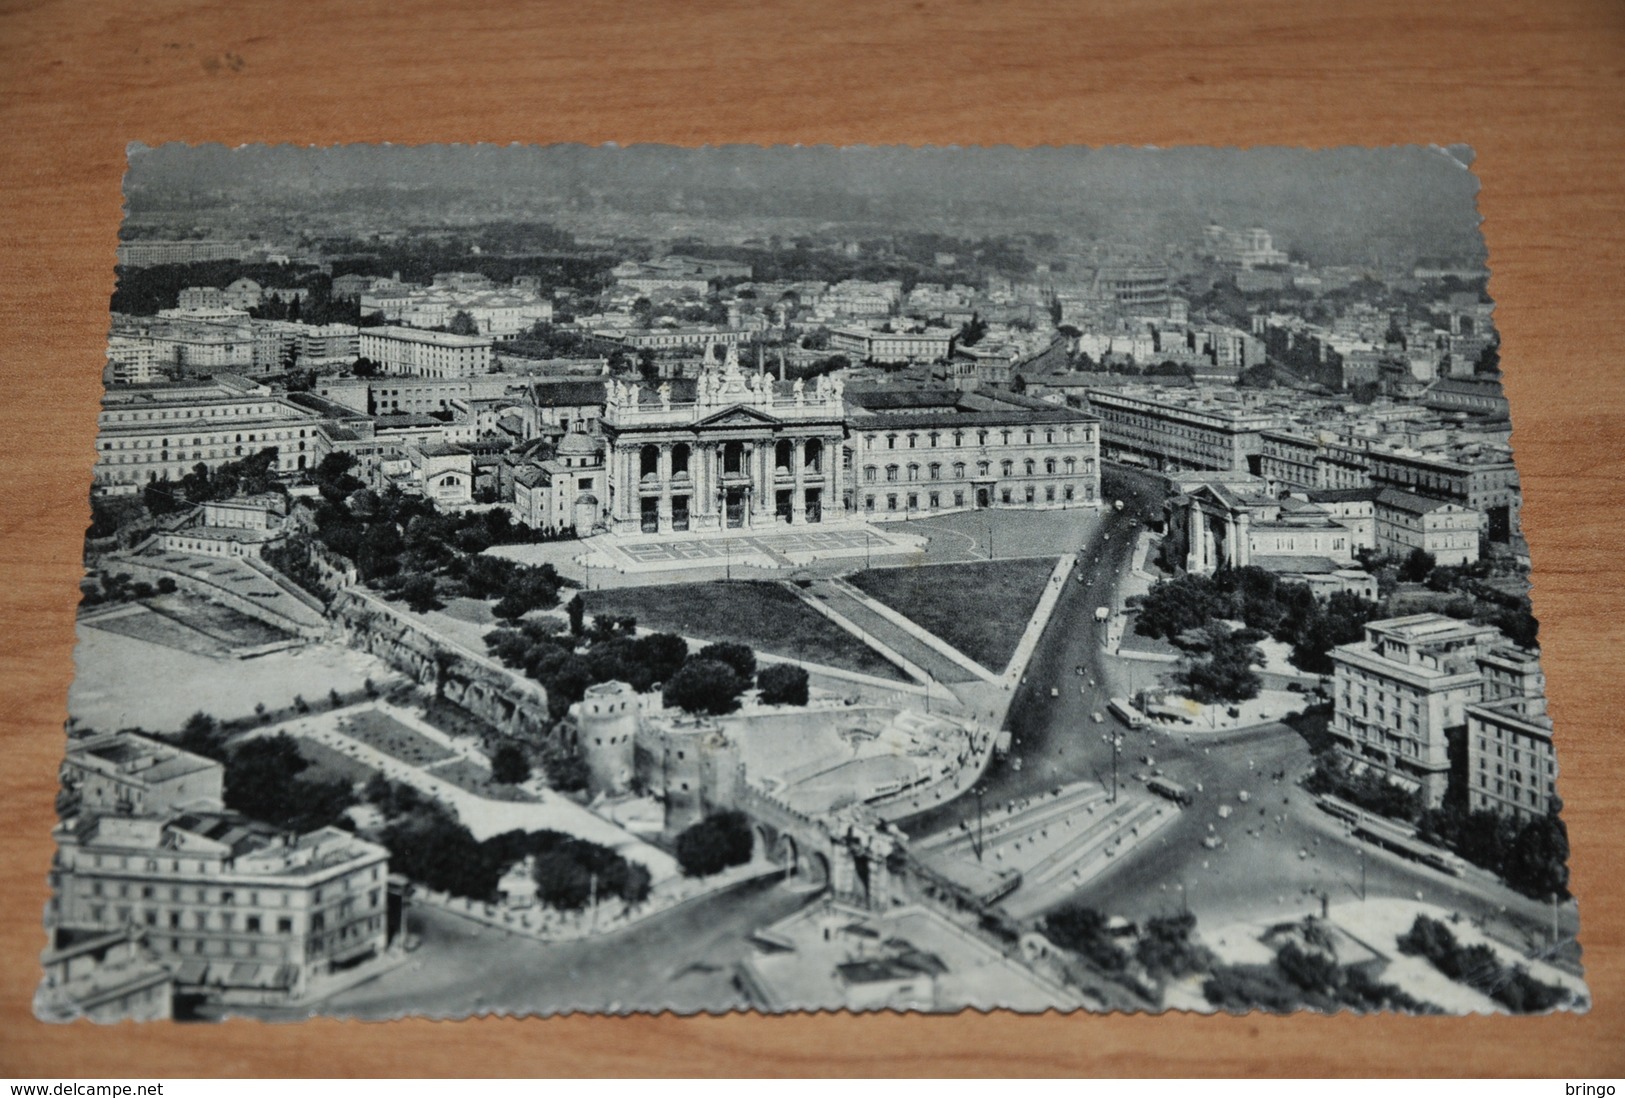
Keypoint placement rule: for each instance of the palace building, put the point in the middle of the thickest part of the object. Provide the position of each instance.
(915, 451)
(746, 452)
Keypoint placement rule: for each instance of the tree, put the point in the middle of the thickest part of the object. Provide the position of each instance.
(973, 330)
(564, 767)
(714, 844)
(509, 766)
(577, 610)
(462, 323)
(783, 684)
(1340, 620)
(1227, 674)
(1417, 565)
(705, 686)
(740, 657)
(420, 594)
(562, 881)
(1537, 864)
(263, 781)
(1083, 931)
(663, 654)
(1166, 949)
(1174, 606)
(201, 735)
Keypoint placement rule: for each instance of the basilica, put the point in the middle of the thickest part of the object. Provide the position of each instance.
(742, 452)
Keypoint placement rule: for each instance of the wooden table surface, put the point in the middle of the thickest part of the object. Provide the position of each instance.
(1534, 87)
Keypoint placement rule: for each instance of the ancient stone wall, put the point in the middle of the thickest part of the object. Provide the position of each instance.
(513, 704)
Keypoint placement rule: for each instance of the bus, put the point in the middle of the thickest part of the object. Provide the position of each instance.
(1124, 710)
(1175, 792)
(1391, 835)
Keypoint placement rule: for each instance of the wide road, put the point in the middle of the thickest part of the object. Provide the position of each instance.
(681, 960)
(1055, 740)
(1277, 852)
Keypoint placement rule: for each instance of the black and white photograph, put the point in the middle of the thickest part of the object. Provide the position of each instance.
(530, 580)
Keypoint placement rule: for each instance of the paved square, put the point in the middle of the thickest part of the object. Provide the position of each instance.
(778, 547)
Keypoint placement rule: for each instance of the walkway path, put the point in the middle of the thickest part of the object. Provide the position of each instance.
(920, 659)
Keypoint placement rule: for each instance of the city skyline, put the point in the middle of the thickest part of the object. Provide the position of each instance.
(1334, 205)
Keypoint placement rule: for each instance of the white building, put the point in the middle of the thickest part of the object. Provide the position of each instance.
(426, 354)
(1398, 693)
(237, 910)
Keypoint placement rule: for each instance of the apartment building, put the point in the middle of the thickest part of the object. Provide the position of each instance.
(426, 354)
(149, 434)
(1181, 430)
(1400, 694)
(126, 773)
(235, 909)
(875, 345)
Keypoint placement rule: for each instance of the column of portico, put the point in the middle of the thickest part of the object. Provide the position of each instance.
(798, 501)
(768, 491)
(705, 488)
(612, 484)
(834, 478)
(631, 463)
(663, 474)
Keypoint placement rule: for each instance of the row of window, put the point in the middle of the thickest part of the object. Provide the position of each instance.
(871, 473)
(911, 500)
(938, 438)
(153, 444)
(233, 411)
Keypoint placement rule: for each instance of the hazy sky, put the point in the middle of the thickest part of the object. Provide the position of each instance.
(1338, 200)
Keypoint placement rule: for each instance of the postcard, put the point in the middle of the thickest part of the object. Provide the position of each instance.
(529, 580)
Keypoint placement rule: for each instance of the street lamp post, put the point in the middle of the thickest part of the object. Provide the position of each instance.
(1117, 746)
(980, 791)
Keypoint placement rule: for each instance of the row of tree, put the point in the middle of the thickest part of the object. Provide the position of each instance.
(254, 474)
(1303, 973)
(1262, 601)
(1531, 855)
(429, 844)
(710, 681)
(402, 545)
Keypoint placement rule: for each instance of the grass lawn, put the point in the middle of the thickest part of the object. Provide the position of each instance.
(477, 779)
(763, 615)
(214, 620)
(384, 733)
(326, 763)
(981, 607)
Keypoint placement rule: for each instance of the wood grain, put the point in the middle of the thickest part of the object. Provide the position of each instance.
(1535, 88)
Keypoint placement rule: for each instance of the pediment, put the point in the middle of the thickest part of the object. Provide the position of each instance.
(739, 415)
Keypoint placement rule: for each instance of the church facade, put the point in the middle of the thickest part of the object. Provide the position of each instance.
(746, 452)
